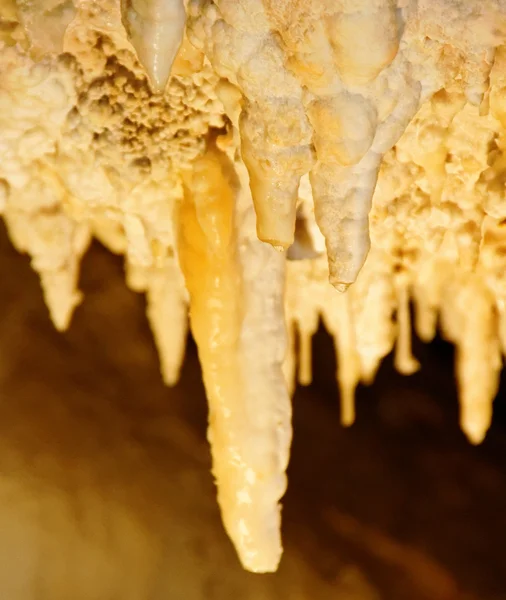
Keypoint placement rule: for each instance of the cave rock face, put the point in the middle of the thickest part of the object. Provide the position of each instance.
(241, 154)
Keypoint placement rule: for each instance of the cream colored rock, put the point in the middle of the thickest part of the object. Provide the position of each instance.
(155, 29)
(235, 301)
(45, 23)
(364, 140)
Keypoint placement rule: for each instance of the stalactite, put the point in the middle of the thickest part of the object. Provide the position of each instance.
(242, 154)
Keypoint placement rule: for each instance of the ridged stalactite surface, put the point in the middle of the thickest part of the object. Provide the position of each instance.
(241, 153)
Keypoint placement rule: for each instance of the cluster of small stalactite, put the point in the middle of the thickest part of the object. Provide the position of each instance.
(242, 154)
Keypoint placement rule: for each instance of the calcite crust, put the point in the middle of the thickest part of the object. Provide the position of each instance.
(242, 153)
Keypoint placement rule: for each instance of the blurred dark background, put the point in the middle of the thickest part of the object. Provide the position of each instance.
(105, 485)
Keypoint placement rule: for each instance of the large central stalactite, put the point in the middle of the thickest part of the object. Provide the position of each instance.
(241, 154)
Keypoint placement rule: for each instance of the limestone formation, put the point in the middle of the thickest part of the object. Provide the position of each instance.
(242, 153)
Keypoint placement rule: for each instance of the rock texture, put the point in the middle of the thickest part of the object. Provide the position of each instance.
(209, 141)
